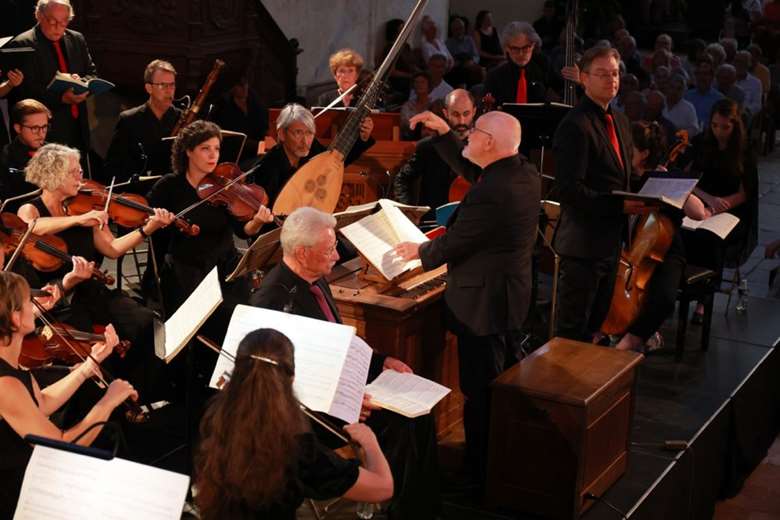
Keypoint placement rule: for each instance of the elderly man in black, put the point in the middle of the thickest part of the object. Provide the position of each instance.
(487, 248)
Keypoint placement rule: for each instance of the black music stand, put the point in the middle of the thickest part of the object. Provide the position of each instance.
(539, 122)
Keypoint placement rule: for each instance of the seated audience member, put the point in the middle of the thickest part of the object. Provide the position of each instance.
(437, 67)
(258, 456)
(728, 183)
(346, 66)
(405, 65)
(524, 78)
(655, 104)
(634, 106)
(760, 70)
(730, 46)
(628, 84)
(717, 54)
(422, 88)
(660, 78)
(695, 52)
(466, 70)
(432, 44)
(629, 54)
(726, 83)
(704, 94)
(30, 120)
(549, 26)
(239, 110)
(750, 85)
(680, 112)
(486, 37)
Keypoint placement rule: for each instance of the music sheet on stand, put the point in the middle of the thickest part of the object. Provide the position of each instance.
(59, 485)
(330, 375)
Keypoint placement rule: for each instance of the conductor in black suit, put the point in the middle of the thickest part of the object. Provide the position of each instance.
(297, 285)
(593, 151)
(487, 249)
(57, 48)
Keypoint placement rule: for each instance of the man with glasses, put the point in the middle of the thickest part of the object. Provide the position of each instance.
(137, 146)
(57, 48)
(297, 144)
(487, 248)
(593, 153)
(30, 120)
(524, 78)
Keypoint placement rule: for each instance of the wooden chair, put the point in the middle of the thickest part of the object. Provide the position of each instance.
(697, 284)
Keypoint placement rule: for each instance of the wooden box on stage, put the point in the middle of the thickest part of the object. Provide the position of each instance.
(560, 421)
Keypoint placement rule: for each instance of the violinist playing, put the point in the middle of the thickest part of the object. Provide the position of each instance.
(661, 293)
(258, 457)
(24, 407)
(55, 169)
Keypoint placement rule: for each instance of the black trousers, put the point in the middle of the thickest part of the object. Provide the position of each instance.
(584, 294)
(482, 359)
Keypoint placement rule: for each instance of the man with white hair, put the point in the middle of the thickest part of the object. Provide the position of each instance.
(750, 85)
(523, 78)
(297, 144)
(487, 248)
(297, 285)
(57, 49)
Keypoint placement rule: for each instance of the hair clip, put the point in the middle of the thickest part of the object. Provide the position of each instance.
(265, 360)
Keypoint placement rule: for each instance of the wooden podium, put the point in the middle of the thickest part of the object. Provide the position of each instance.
(560, 421)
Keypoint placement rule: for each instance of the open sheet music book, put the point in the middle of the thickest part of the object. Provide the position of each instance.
(720, 224)
(376, 235)
(180, 328)
(355, 213)
(265, 250)
(407, 394)
(61, 484)
(331, 363)
(669, 190)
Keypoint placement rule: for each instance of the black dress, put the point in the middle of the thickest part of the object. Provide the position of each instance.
(15, 157)
(14, 451)
(320, 475)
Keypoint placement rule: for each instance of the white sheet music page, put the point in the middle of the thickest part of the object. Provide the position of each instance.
(352, 383)
(375, 238)
(408, 394)
(321, 349)
(720, 224)
(60, 484)
(191, 315)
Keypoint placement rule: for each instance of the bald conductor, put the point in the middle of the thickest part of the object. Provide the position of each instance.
(487, 249)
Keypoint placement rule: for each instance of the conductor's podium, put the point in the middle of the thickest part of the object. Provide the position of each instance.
(559, 428)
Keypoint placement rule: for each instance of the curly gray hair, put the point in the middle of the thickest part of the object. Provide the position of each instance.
(48, 168)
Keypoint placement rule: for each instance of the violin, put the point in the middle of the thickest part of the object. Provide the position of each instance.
(460, 185)
(47, 344)
(127, 209)
(46, 253)
(226, 186)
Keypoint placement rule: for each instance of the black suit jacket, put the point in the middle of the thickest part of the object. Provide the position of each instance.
(39, 71)
(136, 126)
(586, 172)
(283, 290)
(15, 156)
(502, 81)
(434, 175)
(488, 243)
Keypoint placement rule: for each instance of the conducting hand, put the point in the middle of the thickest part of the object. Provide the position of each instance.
(430, 120)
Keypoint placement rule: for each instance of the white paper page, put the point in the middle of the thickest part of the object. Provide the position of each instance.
(410, 393)
(352, 383)
(374, 237)
(188, 318)
(320, 350)
(60, 484)
(720, 224)
(674, 191)
(404, 228)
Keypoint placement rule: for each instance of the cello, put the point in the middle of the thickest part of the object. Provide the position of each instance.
(652, 238)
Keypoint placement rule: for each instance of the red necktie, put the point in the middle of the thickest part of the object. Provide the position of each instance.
(522, 88)
(322, 302)
(614, 138)
(74, 110)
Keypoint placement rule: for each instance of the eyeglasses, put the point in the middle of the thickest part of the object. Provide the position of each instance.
(297, 133)
(37, 129)
(602, 75)
(163, 86)
(475, 129)
(518, 50)
(53, 22)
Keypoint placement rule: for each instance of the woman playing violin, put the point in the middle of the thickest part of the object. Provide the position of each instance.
(56, 170)
(258, 457)
(189, 259)
(24, 407)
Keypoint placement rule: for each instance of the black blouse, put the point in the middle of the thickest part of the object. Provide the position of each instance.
(14, 451)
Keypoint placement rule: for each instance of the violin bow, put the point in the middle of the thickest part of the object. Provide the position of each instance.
(335, 101)
(305, 409)
(22, 242)
(108, 199)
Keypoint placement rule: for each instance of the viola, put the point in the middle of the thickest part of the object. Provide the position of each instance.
(47, 345)
(46, 253)
(226, 186)
(126, 209)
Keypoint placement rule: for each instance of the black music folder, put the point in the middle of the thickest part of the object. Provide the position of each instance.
(12, 57)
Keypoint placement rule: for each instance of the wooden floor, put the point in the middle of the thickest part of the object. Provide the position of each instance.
(760, 497)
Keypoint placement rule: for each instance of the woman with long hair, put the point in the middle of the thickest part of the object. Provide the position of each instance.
(258, 457)
(728, 184)
(488, 43)
(24, 407)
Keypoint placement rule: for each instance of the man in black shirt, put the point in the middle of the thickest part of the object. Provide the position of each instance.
(240, 111)
(426, 166)
(137, 146)
(30, 120)
(297, 144)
